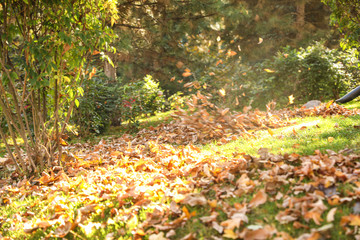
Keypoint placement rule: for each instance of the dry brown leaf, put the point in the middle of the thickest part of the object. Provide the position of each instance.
(259, 234)
(314, 215)
(194, 199)
(259, 199)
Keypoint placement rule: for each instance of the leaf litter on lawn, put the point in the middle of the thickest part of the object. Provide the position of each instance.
(120, 177)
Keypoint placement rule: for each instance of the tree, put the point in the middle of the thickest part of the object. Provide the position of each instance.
(346, 16)
(45, 53)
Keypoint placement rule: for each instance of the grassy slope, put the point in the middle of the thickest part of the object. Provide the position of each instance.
(334, 133)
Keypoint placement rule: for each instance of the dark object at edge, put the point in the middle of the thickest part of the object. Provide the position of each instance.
(349, 96)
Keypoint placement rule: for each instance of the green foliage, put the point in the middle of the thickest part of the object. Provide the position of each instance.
(315, 72)
(156, 36)
(177, 100)
(345, 16)
(98, 106)
(141, 98)
(46, 47)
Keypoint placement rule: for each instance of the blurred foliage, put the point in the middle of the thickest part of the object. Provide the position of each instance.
(99, 106)
(346, 17)
(110, 102)
(140, 98)
(154, 37)
(315, 72)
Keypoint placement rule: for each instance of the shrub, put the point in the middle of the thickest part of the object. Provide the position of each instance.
(315, 72)
(98, 107)
(141, 98)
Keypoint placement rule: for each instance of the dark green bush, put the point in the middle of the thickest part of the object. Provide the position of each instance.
(99, 106)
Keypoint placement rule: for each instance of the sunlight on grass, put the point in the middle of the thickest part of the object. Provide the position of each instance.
(145, 122)
(306, 136)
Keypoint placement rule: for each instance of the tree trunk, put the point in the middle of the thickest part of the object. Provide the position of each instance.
(300, 19)
(109, 69)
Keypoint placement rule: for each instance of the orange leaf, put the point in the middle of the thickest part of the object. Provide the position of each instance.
(186, 74)
(354, 220)
(314, 215)
(179, 64)
(218, 62)
(259, 199)
(294, 132)
(92, 73)
(231, 53)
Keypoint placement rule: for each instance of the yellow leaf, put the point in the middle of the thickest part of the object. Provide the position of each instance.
(212, 203)
(63, 142)
(330, 139)
(228, 233)
(269, 70)
(270, 131)
(329, 104)
(291, 99)
(222, 92)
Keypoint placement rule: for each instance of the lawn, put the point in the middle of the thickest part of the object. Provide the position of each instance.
(294, 182)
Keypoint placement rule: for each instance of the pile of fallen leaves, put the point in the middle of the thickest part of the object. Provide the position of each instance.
(325, 110)
(107, 185)
(204, 122)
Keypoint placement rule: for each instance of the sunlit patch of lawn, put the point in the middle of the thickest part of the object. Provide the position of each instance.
(304, 137)
(144, 122)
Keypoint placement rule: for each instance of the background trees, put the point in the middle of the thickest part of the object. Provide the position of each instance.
(346, 17)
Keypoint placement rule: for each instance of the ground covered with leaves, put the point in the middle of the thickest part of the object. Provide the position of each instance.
(161, 185)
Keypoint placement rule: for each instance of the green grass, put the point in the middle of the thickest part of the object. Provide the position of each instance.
(145, 122)
(304, 137)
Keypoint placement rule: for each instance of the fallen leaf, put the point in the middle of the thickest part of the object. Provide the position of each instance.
(259, 234)
(194, 199)
(159, 236)
(259, 199)
(186, 74)
(331, 215)
(229, 233)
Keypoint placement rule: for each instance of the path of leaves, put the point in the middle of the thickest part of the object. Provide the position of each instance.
(118, 178)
